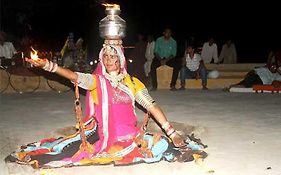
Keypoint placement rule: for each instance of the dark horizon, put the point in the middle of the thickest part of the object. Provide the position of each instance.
(254, 29)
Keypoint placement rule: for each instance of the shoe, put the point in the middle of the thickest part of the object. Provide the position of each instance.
(182, 88)
(204, 88)
(173, 88)
(226, 89)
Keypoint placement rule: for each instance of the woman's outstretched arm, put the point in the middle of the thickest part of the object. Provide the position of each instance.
(53, 67)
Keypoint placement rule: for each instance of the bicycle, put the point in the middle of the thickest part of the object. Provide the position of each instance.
(23, 78)
(58, 83)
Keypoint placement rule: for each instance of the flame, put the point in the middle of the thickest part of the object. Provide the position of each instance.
(111, 6)
(33, 54)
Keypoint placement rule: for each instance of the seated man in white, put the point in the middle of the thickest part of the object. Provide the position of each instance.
(209, 51)
(7, 49)
(193, 67)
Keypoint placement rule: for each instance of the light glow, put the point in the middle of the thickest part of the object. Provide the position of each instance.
(33, 54)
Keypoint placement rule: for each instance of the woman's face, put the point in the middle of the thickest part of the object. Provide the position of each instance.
(111, 62)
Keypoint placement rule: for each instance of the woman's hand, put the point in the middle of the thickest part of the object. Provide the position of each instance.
(177, 140)
(37, 62)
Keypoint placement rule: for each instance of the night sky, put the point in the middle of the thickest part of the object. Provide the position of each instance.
(253, 27)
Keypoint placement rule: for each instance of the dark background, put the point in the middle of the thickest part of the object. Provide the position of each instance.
(254, 27)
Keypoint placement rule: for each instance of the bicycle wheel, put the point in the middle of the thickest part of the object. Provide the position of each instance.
(4, 80)
(59, 85)
(24, 84)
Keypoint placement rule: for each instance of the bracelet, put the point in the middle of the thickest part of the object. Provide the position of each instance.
(50, 66)
(166, 125)
(168, 128)
(173, 134)
(170, 131)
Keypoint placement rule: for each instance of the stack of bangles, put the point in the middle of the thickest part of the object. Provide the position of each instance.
(50, 66)
(168, 128)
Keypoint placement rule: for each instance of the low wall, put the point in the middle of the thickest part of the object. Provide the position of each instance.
(24, 81)
(228, 74)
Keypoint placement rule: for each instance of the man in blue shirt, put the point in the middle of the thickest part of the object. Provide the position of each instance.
(165, 54)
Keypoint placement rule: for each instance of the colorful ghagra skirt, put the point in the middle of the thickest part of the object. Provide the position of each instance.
(68, 151)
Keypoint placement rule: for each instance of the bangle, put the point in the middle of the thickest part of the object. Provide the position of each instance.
(55, 67)
(168, 128)
(170, 131)
(173, 134)
(46, 65)
(166, 125)
(50, 66)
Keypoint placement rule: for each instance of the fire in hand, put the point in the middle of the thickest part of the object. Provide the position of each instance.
(33, 54)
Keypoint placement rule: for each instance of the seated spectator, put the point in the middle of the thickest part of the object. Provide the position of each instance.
(209, 51)
(193, 67)
(68, 51)
(80, 51)
(228, 54)
(165, 54)
(7, 49)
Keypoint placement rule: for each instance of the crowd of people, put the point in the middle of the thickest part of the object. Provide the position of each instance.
(148, 54)
(72, 55)
(165, 50)
(191, 64)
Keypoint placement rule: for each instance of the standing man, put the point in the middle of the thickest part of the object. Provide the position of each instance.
(165, 54)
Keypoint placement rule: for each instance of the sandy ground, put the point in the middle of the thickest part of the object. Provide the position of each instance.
(242, 131)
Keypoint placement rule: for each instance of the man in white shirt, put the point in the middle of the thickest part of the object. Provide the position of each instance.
(193, 67)
(210, 51)
(7, 49)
